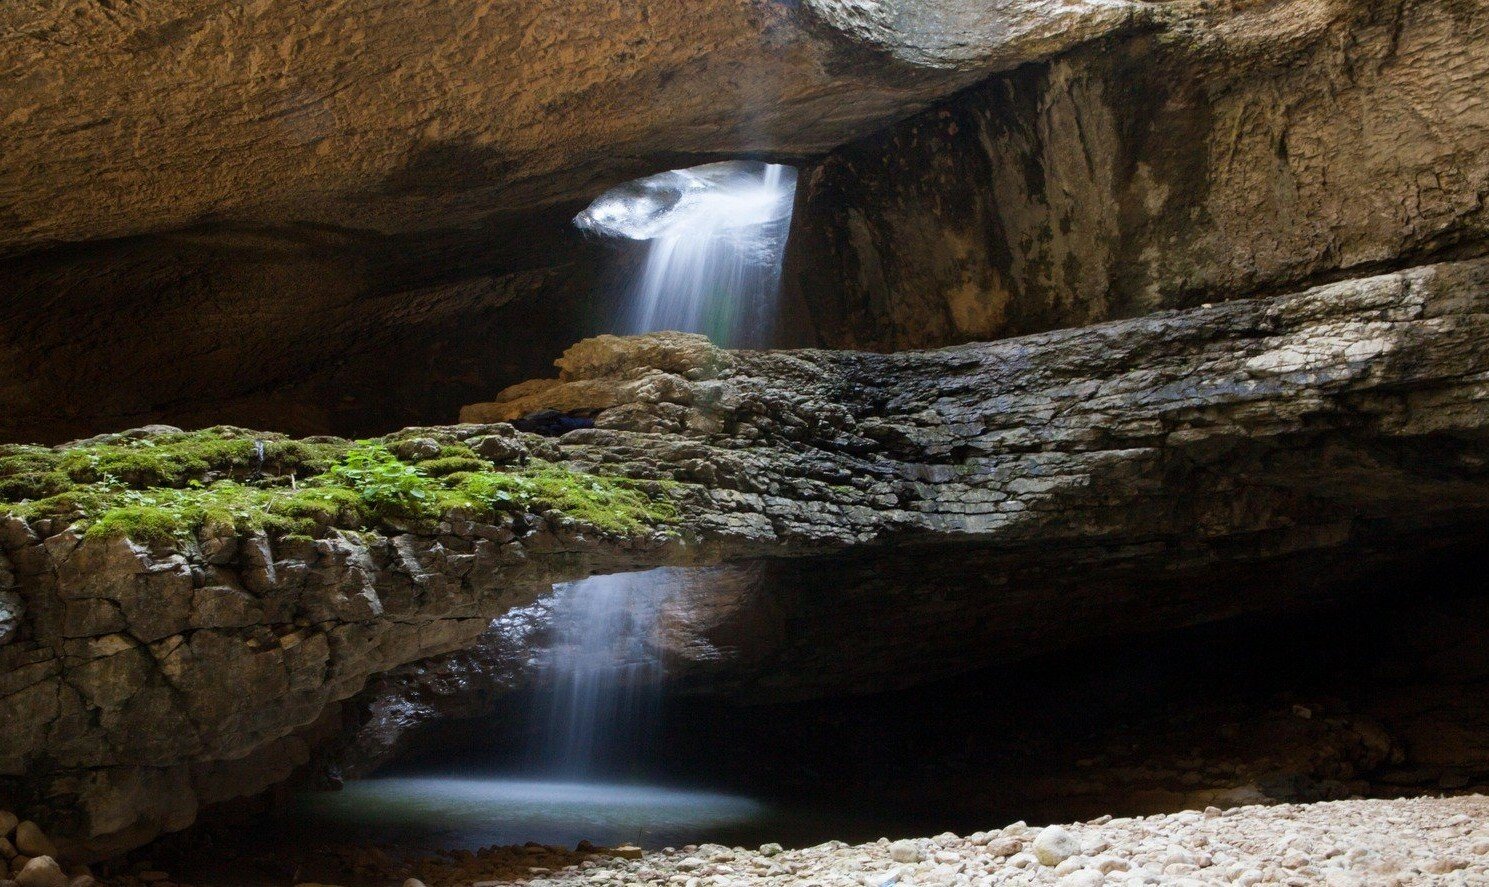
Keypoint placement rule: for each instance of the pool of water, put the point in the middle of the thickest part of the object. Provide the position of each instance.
(472, 812)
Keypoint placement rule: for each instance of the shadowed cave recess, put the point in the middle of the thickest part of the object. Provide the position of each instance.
(773, 424)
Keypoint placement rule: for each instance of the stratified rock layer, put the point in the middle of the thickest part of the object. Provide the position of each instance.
(142, 683)
(1287, 143)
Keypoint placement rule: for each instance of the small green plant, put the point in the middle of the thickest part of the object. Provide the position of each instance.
(385, 483)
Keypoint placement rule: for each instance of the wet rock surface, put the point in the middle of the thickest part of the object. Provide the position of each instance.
(1324, 421)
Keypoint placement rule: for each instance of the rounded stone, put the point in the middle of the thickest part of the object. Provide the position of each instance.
(8, 822)
(1054, 845)
(32, 841)
(905, 851)
(42, 871)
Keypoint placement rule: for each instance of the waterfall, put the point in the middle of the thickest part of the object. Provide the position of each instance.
(601, 672)
(714, 238)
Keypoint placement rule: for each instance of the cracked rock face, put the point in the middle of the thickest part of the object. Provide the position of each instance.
(142, 683)
(1131, 176)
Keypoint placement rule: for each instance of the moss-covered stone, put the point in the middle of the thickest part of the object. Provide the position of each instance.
(161, 487)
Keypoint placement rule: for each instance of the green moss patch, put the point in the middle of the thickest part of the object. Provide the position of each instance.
(613, 504)
(165, 487)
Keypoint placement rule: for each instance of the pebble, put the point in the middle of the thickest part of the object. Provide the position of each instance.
(43, 871)
(1054, 845)
(8, 822)
(32, 841)
(1108, 864)
(905, 851)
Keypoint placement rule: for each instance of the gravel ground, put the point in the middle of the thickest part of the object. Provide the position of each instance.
(1366, 843)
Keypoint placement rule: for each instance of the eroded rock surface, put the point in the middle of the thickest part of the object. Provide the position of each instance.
(144, 682)
(1287, 143)
(355, 217)
(382, 117)
(356, 188)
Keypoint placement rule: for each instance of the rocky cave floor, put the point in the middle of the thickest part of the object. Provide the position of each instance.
(1356, 842)
(1336, 843)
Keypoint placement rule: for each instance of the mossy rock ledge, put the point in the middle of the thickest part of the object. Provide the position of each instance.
(181, 613)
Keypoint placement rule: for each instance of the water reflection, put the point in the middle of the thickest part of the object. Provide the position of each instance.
(467, 812)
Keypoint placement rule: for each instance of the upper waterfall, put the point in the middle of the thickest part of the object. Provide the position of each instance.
(716, 236)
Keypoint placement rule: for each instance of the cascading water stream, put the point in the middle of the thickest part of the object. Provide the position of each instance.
(602, 672)
(715, 237)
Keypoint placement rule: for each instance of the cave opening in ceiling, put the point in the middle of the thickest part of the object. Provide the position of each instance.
(713, 240)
